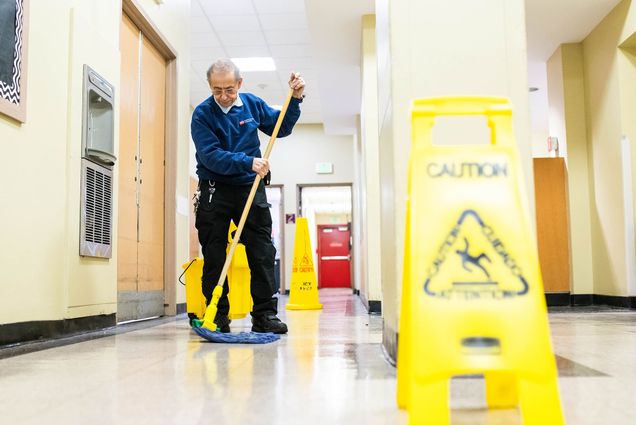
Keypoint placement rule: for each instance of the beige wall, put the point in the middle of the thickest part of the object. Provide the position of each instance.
(441, 49)
(39, 219)
(293, 162)
(371, 160)
(566, 92)
(609, 115)
(538, 109)
(359, 248)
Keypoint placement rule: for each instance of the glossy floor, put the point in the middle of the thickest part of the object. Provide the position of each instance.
(329, 369)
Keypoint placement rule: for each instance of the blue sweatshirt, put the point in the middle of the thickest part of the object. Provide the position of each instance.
(226, 144)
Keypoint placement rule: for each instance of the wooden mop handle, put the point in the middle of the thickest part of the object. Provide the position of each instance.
(250, 198)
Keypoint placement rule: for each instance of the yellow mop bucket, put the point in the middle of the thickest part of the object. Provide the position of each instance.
(238, 276)
(195, 301)
(472, 297)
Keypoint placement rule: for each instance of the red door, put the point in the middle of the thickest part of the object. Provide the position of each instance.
(334, 256)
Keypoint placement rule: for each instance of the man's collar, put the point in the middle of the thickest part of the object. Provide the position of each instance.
(238, 103)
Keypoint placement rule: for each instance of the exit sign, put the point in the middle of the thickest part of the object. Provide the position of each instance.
(324, 168)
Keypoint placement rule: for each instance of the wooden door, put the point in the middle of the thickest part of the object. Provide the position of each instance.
(151, 166)
(140, 256)
(127, 158)
(553, 236)
(334, 256)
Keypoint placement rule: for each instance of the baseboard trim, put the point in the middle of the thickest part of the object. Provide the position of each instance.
(182, 308)
(375, 307)
(554, 299)
(614, 301)
(581, 300)
(14, 333)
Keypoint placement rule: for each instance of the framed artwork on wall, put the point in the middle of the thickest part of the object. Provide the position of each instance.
(13, 58)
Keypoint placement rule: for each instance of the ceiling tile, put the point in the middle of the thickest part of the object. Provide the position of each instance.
(290, 51)
(310, 79)
(209, 54)
(260, 87)
(200, 88)
(247, 51)
(195, 9)
(235, 22)
(207, 39)
(201, 67)
(245, 28)
(288, 37)
(242, 38)
(279, 6)
(271, 96)
(269, 77)
(283, 21)
(199, 24)
(286, 65)
(198, 97)
(227, 7)
(197, 81)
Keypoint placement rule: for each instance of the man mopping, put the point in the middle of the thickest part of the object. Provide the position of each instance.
(225, 132)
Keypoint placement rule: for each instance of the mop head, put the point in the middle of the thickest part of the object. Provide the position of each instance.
(236, 338)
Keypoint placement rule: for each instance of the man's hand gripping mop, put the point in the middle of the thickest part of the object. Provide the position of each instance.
(206, 328)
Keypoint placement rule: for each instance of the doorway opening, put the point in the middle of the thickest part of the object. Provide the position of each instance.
(275, 199)
(328, 211)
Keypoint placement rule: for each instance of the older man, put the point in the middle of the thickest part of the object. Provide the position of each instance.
(225, 132)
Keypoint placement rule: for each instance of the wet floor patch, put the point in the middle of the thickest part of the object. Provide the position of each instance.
(367, 359)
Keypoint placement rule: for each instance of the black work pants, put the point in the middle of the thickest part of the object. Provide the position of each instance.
(218, 204)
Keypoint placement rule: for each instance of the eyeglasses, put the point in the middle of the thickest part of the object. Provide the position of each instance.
(217, 91)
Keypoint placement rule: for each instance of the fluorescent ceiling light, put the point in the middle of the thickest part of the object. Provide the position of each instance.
(255, 64)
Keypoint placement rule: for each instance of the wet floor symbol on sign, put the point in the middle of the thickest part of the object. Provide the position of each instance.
(306, 263)
(473, 263)
(469, 259)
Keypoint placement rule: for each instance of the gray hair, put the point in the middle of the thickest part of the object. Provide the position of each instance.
(222, 66)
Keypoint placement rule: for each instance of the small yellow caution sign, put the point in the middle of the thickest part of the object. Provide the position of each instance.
(303, 292)
(472, 296)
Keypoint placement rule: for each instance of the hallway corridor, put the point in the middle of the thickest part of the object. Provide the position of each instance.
(329, 370)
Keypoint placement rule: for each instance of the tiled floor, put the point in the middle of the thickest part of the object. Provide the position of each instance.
(328, 370)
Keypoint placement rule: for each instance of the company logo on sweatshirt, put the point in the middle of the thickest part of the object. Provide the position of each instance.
(246, 121)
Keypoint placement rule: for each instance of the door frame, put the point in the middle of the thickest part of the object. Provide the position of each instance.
(299, 213)
(135, 13)
(281, 217)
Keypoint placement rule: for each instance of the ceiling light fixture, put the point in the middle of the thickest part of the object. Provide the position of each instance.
(255, 64)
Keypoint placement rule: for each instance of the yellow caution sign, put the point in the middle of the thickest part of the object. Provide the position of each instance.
(238, 277)
(303, 292)
(472, 297)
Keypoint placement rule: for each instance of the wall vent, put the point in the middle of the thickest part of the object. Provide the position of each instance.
(96, 211)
